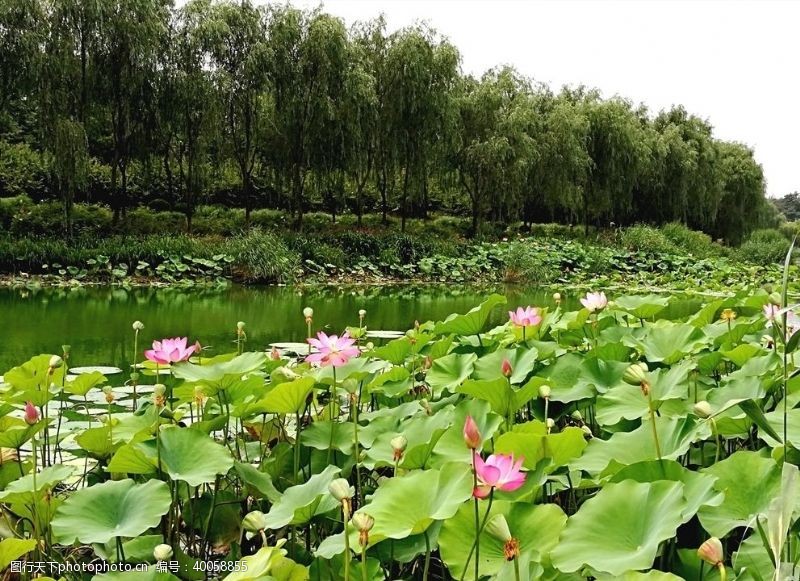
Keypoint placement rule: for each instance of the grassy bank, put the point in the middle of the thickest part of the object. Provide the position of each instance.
(431, 251)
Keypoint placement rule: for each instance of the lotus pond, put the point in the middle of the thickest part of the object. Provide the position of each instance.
(639, 437)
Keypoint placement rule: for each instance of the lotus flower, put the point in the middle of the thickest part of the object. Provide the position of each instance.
(332, 350)
(595, 301)
(472, 436)
(771, 311)
(497, 471)
(527, 317)
(169, 351)
(506, 368)
(31, 414)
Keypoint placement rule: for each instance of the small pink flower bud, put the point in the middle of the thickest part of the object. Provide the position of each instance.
(31, 414)
(711, 551)
(472, 436)
(506, 368)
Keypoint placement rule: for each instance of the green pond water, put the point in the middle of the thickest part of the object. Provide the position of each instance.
(96, 321)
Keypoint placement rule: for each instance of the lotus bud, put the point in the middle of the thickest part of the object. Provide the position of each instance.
(275, 355)
(240, 326)
(472, 436)
(66, 350)
(587, 432)
(557, 298)
(702, 409)
(31, 414)
(506, 368)
(137, 326)
(577, 416)
(636, 373)
(55, 362)
(363, 524)
(162, 552)
(340, 489)
(775, 298)
(399, 444)
(369, 346)
(362, 313)
(711, 551)
(159, 399)
(109, 394)
(424, 404)
(428, 363)
(551, 423)
(308, 313)
(544, 391)
(254, 521)
(497, 526)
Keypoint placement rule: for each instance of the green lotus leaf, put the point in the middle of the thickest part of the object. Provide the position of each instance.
(13, 549)
(532, 442)
(565, 379)
(743, 353)
(408, 505)
(289, 397)
(621, 528)
(522, 360)
(536, 527)
(749, 481)
(102, 512)
(325, 434)
(393, 382)
(34, 374)
(395, 352)
(84, 382)
(212, 371)
(637, 576)
(450, 447)
(269, 563)
(667, 342)
(675, 435)
(22, 490)
(504, 399)
(698, 488)
(300, 503)
(192, 456)
(14, 432)
(421, 431)
(450, 371)
(473, 321)
(259, 483)
(641, 307)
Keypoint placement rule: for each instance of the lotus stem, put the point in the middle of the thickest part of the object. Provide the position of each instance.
(346, 515)
(717, 438)
(476, 544)
(723, 573)
(330, 412)
(516, 568)
(427, 567)
(356, 401)
(34, 515)
(135, 374)
(363, 563)
(296, 445)
(653, 424)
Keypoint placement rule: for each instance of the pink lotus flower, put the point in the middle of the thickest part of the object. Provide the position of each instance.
(332, 350)
(771, 311)
(472, 436)
(506, 368)
(169, 351)
(595, 301)
(31, 414)
(527, 317)
(497, 471)
(792, 320)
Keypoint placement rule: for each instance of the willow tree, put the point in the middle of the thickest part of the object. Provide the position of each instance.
(495, 150)
(127, 45)
(307, 68)
(742, 183)
(21, 36)
(421, 72)
(70, 165)
(618, 152)
(235, 36)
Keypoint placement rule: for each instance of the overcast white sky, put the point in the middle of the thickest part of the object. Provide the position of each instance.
(734, 63)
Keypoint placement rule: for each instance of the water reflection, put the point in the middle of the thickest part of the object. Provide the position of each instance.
(96, 321)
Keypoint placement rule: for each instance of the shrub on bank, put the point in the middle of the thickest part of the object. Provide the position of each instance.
(261, 256)
(766, 246)
(691, 241)
(645, 238)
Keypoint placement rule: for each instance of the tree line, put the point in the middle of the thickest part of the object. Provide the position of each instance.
(131, 102)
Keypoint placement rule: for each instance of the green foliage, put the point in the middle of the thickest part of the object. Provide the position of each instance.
(263, 257)
(764, 247)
